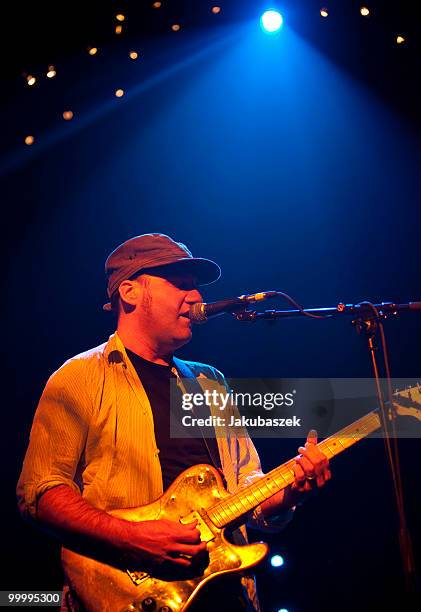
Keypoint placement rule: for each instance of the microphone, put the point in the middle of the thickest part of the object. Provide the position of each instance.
(201, 312)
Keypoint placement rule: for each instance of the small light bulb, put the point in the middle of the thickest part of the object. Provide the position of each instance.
(67, 115)
(133, 55)
(29, 140)
(324, 12)
(175, 27)
(51, 72)
(119, 93)
(120, 17)
(92, 50)
(216, 10)
(400, 40)
(118, 29)
(31, 80)
(364, 11)
(157, 4)
(277, 561)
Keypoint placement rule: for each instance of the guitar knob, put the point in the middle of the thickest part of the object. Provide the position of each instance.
(148, 604)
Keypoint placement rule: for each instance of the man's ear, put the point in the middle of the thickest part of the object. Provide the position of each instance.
(129, 291)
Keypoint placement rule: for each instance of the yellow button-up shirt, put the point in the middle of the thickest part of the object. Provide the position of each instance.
(93, 431)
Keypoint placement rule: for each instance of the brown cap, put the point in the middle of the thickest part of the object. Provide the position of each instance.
(151, 251)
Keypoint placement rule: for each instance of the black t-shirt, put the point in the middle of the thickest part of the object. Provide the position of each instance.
(175, 454)
(178, 454)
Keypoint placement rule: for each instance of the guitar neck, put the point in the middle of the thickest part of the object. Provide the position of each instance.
(247, 499)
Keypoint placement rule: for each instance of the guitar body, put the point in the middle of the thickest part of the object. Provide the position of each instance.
(105, 587)
(199, 494)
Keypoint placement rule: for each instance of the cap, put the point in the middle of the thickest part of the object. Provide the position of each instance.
(151, 251)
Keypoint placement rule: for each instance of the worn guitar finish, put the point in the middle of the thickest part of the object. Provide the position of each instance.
(102, 587)
(198, 493)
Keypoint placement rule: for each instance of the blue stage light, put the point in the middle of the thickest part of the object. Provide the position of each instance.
(271, 21)
(277, 561)
(282, 610)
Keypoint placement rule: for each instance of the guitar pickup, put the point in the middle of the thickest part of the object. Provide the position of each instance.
(206, 533)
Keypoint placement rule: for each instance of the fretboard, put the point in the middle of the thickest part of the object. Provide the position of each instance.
(247, 499)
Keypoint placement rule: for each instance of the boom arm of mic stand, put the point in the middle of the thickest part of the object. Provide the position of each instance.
(384, 309)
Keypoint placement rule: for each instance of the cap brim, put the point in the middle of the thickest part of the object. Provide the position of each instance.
(206, 271)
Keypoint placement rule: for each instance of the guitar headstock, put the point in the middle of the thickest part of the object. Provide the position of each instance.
(408, 402)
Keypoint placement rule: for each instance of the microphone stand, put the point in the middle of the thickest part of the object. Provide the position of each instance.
(384, 309)
(367, 321)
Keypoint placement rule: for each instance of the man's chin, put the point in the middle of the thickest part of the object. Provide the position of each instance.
(184, 338)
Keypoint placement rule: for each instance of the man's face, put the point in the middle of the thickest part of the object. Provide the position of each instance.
(163, 308)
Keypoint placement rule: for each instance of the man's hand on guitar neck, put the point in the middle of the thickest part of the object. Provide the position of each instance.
(311, 471)
(150, 542)
(311, 467)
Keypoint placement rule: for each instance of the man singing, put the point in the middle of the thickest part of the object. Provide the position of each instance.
(101, 440)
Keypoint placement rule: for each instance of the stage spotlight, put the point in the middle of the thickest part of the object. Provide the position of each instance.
(282, 610)
(271, 21)
(277, 561)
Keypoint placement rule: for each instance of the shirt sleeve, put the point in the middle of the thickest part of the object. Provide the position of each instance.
(249, 469)
(57, 437)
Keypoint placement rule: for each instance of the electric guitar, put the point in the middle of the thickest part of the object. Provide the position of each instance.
(198, 493)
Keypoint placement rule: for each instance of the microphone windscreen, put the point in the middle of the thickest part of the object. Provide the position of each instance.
(197, 313)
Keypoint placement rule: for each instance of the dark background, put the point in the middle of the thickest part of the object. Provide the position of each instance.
(293, 161)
